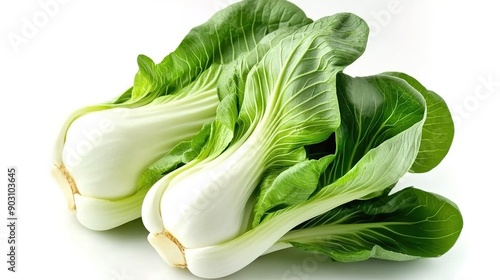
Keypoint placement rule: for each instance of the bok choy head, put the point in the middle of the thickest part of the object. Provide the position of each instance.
(102, 149)
(336, 202)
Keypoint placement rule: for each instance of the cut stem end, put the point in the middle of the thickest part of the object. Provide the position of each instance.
(169, 248)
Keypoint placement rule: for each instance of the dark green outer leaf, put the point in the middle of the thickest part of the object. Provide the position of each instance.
(408, 224)
(438, 130)
(373, 109)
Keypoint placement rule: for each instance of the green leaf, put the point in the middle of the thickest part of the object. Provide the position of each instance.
(351, 31)
(438, 131)
(347, 36)
(296, 185)
(373, 109)
(376, 144)
(146, 79)
(292, 89)
(222, 128)
(226, 35)
(406, 225)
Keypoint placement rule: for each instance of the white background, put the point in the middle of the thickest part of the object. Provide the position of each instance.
(84, 52)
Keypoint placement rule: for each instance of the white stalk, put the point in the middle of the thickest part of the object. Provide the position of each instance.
(124, 141)
(106, 151)
(212, 199)
(229, 257)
